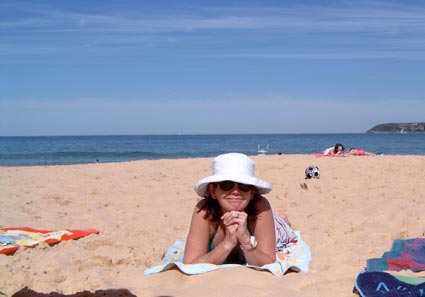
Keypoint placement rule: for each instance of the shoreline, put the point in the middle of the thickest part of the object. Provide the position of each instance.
(211, 157)
(76, 150)
(352, 213)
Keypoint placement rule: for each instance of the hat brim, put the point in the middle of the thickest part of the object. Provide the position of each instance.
(201, 188)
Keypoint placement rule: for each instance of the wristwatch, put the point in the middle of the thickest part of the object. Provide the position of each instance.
(252, 244)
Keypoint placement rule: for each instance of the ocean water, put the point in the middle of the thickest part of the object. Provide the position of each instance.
(57, 150)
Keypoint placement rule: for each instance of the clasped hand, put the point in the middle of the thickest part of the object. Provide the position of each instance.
(236, 224)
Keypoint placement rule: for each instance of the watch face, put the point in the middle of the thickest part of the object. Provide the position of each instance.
(253, 241)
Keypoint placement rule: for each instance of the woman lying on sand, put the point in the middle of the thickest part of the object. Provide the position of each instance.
(358, 152)
(336, 150)
(234, 223)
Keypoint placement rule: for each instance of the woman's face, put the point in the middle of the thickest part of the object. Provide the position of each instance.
(233, 198)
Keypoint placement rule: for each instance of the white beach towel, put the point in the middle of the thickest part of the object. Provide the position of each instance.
(295, 256)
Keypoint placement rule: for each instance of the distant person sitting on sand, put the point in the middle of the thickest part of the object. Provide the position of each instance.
(358, 152)
(234, 223)
(335, 150)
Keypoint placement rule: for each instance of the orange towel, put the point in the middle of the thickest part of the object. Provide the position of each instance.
(13, 238)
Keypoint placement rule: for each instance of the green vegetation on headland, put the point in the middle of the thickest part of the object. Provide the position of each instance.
(418, 127)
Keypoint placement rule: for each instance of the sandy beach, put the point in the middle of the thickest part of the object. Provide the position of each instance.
(352, 213)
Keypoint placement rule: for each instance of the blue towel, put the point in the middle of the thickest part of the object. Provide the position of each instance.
(295, 256)
(376, 284)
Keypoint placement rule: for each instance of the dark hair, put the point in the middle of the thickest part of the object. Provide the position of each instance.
(336, 147)
(213, 209)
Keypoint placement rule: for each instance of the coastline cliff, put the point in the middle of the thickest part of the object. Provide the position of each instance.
(416, 127)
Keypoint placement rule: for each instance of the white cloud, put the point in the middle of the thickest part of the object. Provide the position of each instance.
(375, 29)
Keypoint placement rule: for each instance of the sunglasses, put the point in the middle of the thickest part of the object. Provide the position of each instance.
(228, 185)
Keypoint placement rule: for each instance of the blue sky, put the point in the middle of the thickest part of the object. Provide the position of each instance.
(209, 67)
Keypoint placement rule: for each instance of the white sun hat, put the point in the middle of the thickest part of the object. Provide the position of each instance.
(235, 167)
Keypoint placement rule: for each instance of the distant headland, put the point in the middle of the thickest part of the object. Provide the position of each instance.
(417, 127)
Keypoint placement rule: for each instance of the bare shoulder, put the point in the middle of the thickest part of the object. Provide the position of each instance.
(199, 208)
(262, 204)
(200, 225)
(264, 222)
(200, 212)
